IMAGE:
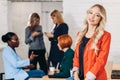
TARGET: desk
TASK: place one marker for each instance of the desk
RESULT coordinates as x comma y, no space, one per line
116,67
46,78
108,69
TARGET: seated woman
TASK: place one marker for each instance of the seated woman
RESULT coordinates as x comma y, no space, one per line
64,44
13,64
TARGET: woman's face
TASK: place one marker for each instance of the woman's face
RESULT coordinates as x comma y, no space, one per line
36,22
93,16
14,41
59,46
54,19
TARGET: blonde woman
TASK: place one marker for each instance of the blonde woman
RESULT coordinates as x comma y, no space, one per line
92,47
34,37
60,28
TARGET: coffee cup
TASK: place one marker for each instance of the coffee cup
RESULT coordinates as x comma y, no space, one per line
71,73
52,69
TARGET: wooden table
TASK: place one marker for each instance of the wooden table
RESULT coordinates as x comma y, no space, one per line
108,69
46,78
116,67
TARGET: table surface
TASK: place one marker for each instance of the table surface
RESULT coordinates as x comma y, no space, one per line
46,78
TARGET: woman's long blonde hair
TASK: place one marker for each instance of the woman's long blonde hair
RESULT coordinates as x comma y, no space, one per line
57,14
32,18
98,31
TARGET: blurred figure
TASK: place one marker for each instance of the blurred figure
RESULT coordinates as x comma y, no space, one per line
12,62
92,47
60,28
64,44
34,37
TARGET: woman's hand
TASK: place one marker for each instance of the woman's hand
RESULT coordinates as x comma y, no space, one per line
28,67
31,66
76,76
34,34
49,35
57,70
51,73
86,79
32,56
25,67
90,76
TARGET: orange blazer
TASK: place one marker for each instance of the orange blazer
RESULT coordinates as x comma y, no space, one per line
95,61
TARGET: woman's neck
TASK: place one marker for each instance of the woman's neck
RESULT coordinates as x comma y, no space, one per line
57,24
11,47
65,49
91,28
90,32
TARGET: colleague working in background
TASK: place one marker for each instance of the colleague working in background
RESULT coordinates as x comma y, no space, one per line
34,37
13,64
64,44
60,28
92,47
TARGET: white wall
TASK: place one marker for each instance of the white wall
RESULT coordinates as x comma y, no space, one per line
3,18
74,12
3,25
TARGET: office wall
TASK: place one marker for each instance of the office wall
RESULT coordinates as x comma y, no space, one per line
3,25
3,17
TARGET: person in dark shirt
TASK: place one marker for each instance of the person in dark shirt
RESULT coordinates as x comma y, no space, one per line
60,28
64,43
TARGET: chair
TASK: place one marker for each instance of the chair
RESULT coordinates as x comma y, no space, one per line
1,76
116,71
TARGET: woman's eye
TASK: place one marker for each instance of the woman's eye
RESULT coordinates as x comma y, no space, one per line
90,12
97,15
